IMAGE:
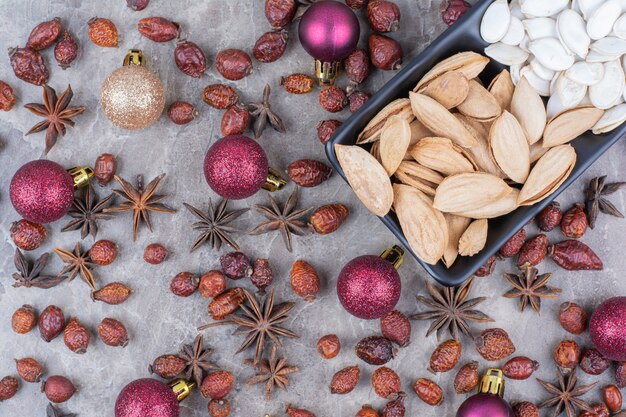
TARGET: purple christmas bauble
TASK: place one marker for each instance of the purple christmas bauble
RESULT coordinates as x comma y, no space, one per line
329,31
368,287
484,405
147,397
236,167
607,328
42,191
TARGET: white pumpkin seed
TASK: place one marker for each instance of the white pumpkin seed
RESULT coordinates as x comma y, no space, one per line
506,54
585,73
570,92
601,21
604,94
509,147
587,7
516,9
610,45
528,108
572,32
619,28
570,124
551,54
516,75
540,85
394,142
540,27
541,71
612,118
550,171
597,57
496,21
474,239
515,34
543,8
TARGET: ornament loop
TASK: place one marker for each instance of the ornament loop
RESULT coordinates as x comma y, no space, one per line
134,57
181,388
493,382
394,255
326,72
81,176
274,181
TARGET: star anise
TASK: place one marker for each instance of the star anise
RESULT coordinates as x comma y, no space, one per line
57,113
140,201
565,395
259,323
451,309
197,358
595,201
263,113
52,411
530,288
287,220
214,225
86,210
29,273
274,372
77,263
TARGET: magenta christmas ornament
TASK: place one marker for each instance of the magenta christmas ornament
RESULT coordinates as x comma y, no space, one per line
148,397
607,328
488,402
369,286
236,167
42,191
329,31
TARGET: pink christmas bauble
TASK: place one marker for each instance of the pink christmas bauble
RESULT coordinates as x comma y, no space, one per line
236,167
147,397
607,328
368,287
42,191
484,405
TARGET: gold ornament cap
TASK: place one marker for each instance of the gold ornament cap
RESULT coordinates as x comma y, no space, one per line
394,255
134,57
274,181
492,382
81,176
326,72
181,388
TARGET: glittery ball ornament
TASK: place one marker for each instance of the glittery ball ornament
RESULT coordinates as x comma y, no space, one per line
369,286
488,402
42,191
607,328
148,397
132,96
236,167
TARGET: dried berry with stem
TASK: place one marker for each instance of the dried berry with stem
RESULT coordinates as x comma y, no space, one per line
596,202
220,96
574,222
565,395
158,29
103,32
7,97
214,225
28,65
233,64
217,385
357,67
329,346
113,294
29,273
236,265
333,99
345,380
519,368
212,284
105,168
573,255
66,50
197,360
167,366
29,369
297,83
386,383
87,209
271,46
326,129
385,52
263,114
44,34
533,251
305,281
573,318
24,319
76,336
262,274
396,327
466,379
453,10
9,385
445,356
273,372
77,263
58,389
308,172
375,350
182,112
329,218
357,99
57,114
592,362
155,253
235,120
51,323
550,217
612,397
530,288
383,16
428,391
112,332
189,58
494,344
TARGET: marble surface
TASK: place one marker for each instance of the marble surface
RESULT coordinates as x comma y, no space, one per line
158,321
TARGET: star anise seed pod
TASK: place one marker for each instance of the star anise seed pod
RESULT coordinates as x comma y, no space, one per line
565,395
451,310
140,201
263,113
86,210
287,220
274,372
595,201
29,273
197,358
77,263
530,288
52,411
57,113
214,225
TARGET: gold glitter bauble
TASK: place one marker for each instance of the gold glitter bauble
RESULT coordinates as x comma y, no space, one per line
132,97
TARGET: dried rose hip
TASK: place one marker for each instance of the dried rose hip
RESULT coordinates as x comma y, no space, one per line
593,362
367,411
467,378
236,265
220,96
29,369
219,408
574,255
566,354
226,303
487,268
66,50
445,356
357,99
262,274
189,58
357,66
212,284
158,29
519,368
574,223
533,251
612,398
329,218
27,235
105,168
44,34
573,318
453,10
168,366
329,346
428,391
270,46
396,327
76,336
51,323
385,53
233,64
386,383
514,244
383,16
550,217
326,129
345,380
280,12
181,112
375,350
494,344
114,293
597,410
395,408
8,387
112,332
7,98
155,253
28,65
525,408
308,172
137,5
103,32
333,99
58,388
24,319
298,412
356,4
184,284
217,385
297,83
620,374
235,120
304,280
103,252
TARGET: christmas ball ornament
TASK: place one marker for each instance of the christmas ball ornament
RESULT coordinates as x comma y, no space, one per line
488,402
148,397
607,328
132,96
236,167
369,286
42,191
329,31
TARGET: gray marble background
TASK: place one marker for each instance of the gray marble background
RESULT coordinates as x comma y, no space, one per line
158,321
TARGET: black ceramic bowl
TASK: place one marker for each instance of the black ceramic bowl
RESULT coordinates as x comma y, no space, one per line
462,36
